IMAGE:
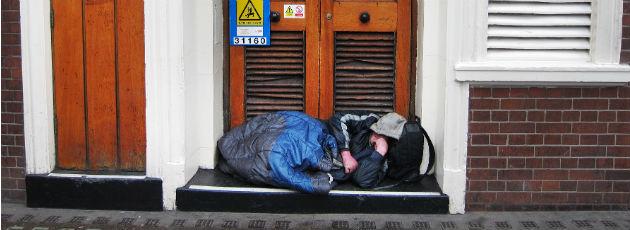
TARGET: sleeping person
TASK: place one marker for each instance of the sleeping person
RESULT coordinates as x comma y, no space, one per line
290,149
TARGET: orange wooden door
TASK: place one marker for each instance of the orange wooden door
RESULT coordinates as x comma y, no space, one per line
98,61
349,63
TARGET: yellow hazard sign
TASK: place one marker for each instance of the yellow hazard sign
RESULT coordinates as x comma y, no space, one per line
249,12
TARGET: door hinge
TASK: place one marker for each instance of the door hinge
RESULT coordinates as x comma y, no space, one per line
52,18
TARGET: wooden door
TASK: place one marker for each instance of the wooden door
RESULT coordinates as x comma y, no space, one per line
347,63
98,62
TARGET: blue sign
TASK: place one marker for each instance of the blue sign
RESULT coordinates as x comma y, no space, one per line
249,23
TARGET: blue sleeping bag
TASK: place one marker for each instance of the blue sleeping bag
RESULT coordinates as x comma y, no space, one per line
284,149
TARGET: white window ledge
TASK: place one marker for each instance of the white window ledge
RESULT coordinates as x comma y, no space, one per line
547,73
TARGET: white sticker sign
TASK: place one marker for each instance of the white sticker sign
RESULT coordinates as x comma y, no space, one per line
294,11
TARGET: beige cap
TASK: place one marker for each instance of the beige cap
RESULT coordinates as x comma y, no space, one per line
390,125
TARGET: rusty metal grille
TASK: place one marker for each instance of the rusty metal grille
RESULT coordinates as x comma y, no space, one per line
275,75
365,67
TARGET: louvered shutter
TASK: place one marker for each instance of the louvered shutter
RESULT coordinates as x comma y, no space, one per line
364,71
539,29
274,75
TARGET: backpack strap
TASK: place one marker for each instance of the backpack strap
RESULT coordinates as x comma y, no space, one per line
431,148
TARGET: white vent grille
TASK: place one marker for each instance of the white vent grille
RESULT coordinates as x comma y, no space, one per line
539,29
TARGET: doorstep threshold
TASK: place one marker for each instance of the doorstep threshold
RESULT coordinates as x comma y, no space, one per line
332,192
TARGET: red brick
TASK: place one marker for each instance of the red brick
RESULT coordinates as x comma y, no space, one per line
533,162
607,116
590,92
585,186
568,185
500,115
534,139
514,186
475,185
537,92
11,39
518,115
549,198
546,151
569,139
517,127
587,116
603,186
482,151
482,197
496,185
624,92
551,185
570,115
9,183
516,163
480,92
535,115
618,198
568,163
590,104
585,198
551,163
482,174
623,116
622,163
479,139
498,139
589,128
564,92
553,128
588,151
478,163
617,174
515,174
483,128
497,163
519,92
604,162
532,185
513,197
586,175
550,174
586,163
618,151
484,103
553,139
480,116
500,92
553,116
522,151
621,186
553,104
622,139
516,139
588,140
620,104
518,103
609,92
9,162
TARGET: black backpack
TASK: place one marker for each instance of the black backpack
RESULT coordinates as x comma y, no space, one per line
405,156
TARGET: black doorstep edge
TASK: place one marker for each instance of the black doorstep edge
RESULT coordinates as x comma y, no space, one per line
94,193
265,202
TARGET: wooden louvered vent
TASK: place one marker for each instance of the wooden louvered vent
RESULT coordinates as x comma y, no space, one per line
365,71
539,29
274,75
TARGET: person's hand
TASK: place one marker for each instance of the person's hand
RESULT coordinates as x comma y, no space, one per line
380,144
349,163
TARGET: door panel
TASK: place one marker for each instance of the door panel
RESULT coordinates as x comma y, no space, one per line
99,91
283,76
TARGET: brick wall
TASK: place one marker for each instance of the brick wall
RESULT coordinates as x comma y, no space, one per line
12,115
625,45
549,149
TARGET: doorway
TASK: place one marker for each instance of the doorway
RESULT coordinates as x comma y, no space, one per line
343,55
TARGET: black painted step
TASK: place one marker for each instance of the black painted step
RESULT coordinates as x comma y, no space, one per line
211,190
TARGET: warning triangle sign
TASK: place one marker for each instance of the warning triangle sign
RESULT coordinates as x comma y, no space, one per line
249,13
